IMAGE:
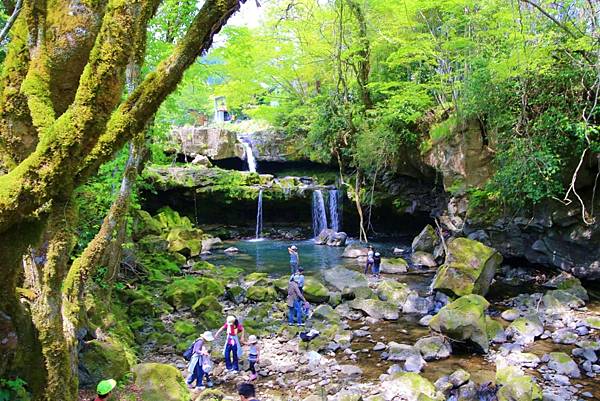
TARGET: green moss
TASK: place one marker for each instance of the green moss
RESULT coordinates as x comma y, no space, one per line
211,395
158,382
210,320
314,291
261,294
255,276
186,291
184,328
208,303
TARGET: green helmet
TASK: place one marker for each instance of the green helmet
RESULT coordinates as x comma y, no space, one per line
106,386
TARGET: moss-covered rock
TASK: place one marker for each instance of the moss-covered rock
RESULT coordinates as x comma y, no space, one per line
469,268
186,291
168,218
281,285
255,276
211,395
426,241
208,303
102,359
464,319
314,291
525,329
393,292
210,320
514,385
186,241
236,294
184,328
326,312
375,308
152,244
261,294
144,224
342,278
394,265
159,382
561,301
408,386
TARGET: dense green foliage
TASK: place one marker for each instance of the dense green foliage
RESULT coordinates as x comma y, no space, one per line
365,83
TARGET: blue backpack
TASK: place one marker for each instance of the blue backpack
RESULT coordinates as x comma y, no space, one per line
187,354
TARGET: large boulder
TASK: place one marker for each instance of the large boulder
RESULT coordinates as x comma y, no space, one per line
342,278
186,241
144,224
408,386
469,268
261,294
184,292
159,382
101,359
394,265
424,259
562,364
560,301
393,292
426,241
355,251
331,238
375,308
314,291
525,329
464,319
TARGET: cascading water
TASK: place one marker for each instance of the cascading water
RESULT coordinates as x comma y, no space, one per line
319,213
334,210
259,215
247,145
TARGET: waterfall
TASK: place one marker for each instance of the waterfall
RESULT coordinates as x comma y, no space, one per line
247,145
334,210
319,213
259,215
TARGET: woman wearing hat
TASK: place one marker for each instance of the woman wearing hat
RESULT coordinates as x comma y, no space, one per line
233,349
104,389
294,258
253,355
200,359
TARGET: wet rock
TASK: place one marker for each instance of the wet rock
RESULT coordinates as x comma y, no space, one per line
208,244
414,363
325,312
394,265
525,329
407,386
434,347
375,308
379,346
343,339
443,384
585,353
416,304
159,382
510,314
495,331
560,301
562,364
423,259
350,371
464,319
426,241
564,336
342,278
459,377
593,322
514,385
232,250
469,268
424,321
400,352
393,292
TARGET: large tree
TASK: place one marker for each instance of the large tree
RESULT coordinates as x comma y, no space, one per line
61,117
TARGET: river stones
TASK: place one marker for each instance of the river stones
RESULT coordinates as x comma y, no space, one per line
159,382
562,364
567,282
433,348
564,336
426,241
417,304
459,377
355,251
399,352
469,268
414,363
525,329
376,308
394,265
393,292
351,371
464,319
261,294
510,314
342,278
556,302
408,386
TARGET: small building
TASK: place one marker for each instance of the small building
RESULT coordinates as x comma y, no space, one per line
221,113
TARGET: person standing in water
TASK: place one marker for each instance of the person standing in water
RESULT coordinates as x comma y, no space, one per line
233,348
370,260
294,258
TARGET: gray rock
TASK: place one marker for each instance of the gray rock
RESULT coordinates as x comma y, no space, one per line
414,363
355,251
375,308
434,347
426,241
564,336
525,329
424,321
562,364
459,377
510,314
585,353
423,259
416,304
379,346
342,278
350,370
400,352
443,384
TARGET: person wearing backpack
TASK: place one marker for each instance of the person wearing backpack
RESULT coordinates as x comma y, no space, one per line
200,364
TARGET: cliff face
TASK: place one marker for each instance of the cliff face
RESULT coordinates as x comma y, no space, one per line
552,234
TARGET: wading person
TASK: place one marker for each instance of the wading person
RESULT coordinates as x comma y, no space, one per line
295,302
233,349
104,389
294,258
200,364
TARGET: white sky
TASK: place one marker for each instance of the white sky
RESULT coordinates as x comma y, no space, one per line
250,14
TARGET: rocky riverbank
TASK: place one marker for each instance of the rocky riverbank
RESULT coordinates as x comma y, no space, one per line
409,335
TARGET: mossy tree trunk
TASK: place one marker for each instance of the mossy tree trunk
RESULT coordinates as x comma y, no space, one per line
59,121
